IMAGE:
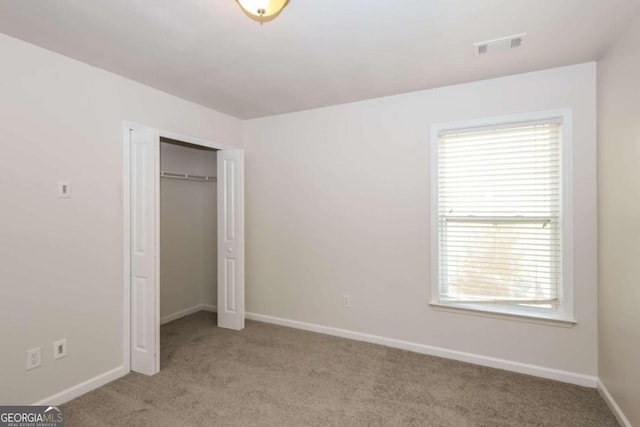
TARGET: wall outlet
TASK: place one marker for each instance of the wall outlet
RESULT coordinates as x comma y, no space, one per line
346,301
64,190
60,349
34,358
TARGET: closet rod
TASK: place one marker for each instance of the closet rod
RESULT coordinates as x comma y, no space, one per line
186,176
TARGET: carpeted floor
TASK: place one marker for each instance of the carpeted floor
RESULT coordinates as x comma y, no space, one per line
269,375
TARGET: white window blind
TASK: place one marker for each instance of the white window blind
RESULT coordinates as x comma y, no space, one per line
498,207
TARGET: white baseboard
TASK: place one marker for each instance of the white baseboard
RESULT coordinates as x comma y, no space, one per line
208,307
522,368
622,419
178,314
84,387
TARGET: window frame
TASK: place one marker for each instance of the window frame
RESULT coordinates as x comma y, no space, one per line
563,314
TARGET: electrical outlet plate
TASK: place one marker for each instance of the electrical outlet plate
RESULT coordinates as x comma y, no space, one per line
64,190
34,358
60,349
346,301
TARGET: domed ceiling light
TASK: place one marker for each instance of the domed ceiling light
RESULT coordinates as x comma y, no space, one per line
262,10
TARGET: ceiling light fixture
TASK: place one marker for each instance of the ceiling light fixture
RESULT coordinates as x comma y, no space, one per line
262,10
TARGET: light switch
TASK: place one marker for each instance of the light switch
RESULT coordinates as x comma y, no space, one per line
64,190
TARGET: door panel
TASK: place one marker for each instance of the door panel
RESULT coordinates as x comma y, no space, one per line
144,279
231,239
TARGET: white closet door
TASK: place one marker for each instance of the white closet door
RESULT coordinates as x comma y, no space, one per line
145,357
231,239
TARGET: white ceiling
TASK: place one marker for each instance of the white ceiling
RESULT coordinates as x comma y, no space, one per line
316,53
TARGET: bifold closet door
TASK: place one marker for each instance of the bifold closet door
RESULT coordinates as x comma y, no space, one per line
230,239
144,177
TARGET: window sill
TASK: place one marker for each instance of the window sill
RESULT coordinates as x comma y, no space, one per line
541,319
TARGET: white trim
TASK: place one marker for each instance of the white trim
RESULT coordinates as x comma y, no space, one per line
126,207
564,313
209,307
84,387
622,419
156,233
192,140
565,309
474,310
182,313
492,362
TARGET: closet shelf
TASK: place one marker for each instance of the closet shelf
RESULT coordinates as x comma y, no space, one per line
186,176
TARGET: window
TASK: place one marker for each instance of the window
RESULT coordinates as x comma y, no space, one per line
501,216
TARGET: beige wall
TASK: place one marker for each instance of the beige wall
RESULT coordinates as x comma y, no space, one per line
337,202
188,231
61,267
619,220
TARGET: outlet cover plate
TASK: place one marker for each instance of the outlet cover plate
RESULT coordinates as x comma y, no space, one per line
64,190
34,358
60,349
346,301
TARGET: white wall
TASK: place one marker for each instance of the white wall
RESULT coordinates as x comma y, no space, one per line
61,268
337,202
619,220
188,231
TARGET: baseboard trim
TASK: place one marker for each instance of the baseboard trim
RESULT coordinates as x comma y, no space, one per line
178,314
84,387
208,307
522,368
622,419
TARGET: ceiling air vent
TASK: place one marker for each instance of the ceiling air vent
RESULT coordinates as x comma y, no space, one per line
499,45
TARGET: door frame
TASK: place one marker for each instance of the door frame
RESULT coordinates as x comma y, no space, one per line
126,201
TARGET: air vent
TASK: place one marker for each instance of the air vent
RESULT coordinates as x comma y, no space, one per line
499,45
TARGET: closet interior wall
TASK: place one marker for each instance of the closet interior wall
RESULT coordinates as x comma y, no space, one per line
188,231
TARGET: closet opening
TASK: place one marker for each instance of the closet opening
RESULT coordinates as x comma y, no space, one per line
184,237
188,229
